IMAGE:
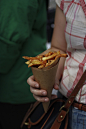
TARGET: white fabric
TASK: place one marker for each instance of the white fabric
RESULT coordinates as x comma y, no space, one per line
75,33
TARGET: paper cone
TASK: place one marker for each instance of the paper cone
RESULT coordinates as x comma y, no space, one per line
46,79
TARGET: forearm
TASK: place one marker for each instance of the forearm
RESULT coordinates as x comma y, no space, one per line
58,42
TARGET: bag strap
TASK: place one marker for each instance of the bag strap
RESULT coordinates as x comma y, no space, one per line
30,110
65,108
75,91
33,106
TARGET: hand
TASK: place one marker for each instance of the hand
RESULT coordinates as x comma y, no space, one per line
39,94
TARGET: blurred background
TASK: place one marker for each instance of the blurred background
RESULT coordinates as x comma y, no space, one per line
51,6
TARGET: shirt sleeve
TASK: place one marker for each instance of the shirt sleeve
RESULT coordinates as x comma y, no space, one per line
60,3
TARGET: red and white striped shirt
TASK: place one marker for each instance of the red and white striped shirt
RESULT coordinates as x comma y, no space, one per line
75,33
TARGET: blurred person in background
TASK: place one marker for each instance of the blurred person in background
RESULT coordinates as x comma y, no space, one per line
22,33
69,37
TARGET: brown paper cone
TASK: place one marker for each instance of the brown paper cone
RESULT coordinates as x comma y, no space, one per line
46,79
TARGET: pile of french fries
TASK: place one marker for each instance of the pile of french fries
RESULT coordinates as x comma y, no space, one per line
42,61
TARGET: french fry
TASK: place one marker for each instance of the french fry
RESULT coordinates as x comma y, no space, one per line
39,57
52,61
30,65
41,66
45,60
49,57
29,58
28,62
48,54
36,62
64,55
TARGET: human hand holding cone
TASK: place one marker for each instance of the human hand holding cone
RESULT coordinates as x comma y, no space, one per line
44,69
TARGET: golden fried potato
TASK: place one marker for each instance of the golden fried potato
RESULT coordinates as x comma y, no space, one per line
36,62
49,57
41,66
45,60
28,62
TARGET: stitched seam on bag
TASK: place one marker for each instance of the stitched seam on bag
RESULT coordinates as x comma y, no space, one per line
59,100
30,110
47,119
37,121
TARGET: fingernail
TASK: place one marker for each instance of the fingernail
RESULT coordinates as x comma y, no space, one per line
46,100
44,93
36,85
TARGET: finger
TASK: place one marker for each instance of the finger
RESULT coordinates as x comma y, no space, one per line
53,96
41,99
56,86
38,92
31,81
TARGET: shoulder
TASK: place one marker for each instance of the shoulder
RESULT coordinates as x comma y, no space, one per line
60,3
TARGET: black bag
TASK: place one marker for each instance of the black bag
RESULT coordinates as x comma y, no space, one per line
57,114
36,118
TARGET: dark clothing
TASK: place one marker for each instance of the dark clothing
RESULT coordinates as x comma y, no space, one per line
11,115
22,33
